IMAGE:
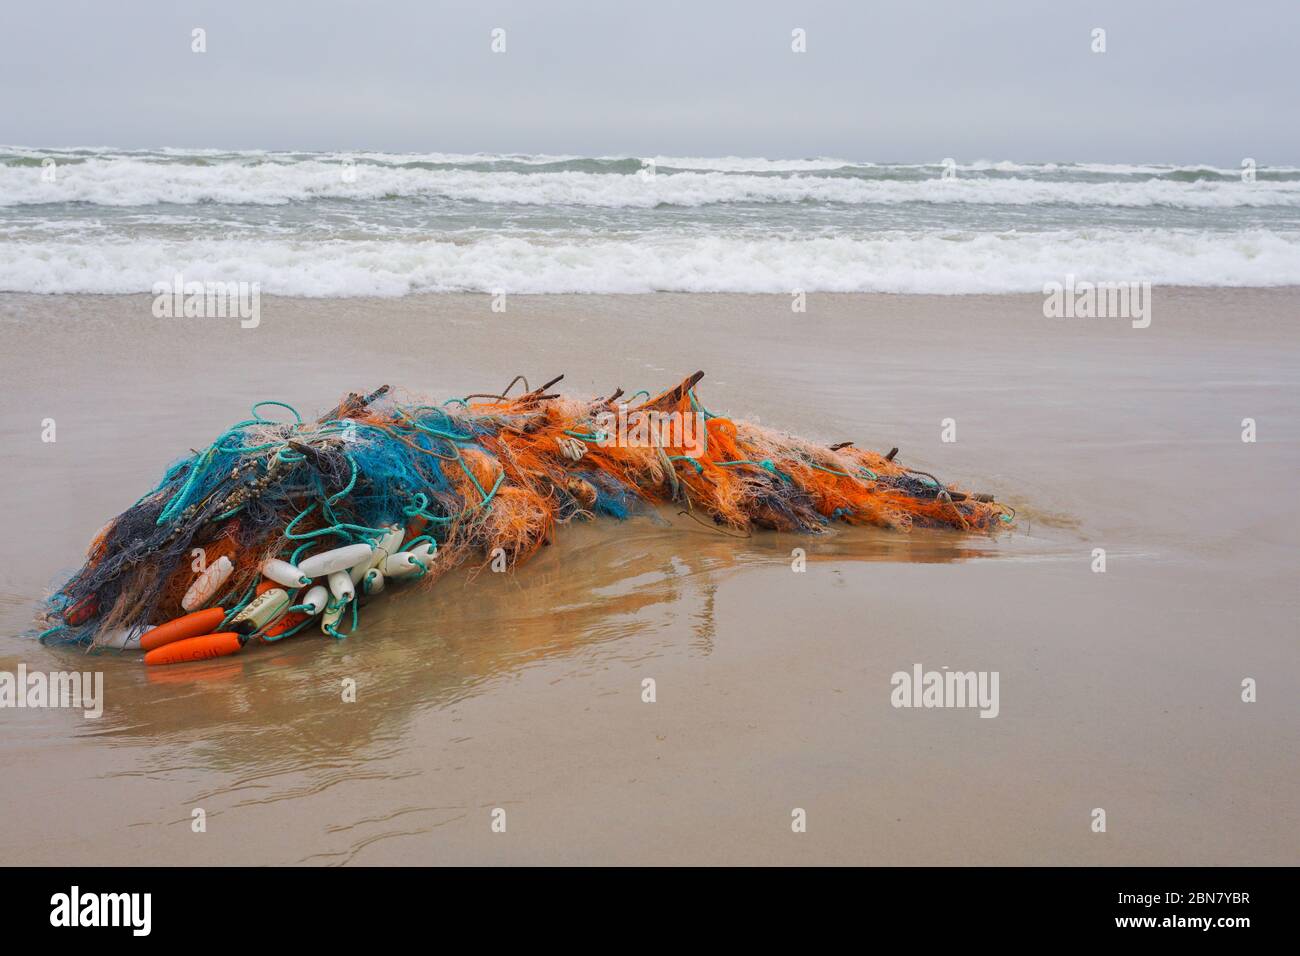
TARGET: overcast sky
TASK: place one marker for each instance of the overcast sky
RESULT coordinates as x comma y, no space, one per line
902,80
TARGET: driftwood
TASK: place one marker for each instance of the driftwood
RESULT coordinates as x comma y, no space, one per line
675,394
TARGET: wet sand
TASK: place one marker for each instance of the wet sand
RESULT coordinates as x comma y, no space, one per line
523,692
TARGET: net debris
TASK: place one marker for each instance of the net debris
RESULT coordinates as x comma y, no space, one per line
279,526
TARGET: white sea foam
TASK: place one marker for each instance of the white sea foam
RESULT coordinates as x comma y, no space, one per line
715,163
135,182
382,223
740,164
945,264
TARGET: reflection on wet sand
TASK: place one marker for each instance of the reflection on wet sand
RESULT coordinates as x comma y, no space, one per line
429,648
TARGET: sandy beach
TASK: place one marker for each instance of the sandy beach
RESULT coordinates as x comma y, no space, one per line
523,692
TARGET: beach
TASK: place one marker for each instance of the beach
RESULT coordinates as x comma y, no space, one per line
523,692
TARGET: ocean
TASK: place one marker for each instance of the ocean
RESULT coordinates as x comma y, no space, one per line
99,220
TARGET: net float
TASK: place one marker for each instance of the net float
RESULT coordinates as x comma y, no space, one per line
339,559
82,611
284,573
333,614
316,599
122,638
388,544
197,648
206,585
404,564
340,584
180,628
285,624
400,565
261,611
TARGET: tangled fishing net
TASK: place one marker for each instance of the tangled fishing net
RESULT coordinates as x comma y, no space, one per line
485,477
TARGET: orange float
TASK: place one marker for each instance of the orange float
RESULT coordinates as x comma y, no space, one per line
197,648
190,625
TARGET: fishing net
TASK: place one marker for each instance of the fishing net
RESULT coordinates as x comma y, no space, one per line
485,478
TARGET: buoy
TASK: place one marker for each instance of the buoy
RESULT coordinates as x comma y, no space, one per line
123,638
196,648
373,582
178,629
341,586
390,543
387,544
282,572
400,565
317,597
206,584
358,570
263,586
403,563
286,623
333,614
340,559
82,611
262,610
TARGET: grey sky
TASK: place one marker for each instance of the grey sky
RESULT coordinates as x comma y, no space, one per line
905,80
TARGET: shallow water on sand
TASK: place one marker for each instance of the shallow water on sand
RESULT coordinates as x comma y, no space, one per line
523,691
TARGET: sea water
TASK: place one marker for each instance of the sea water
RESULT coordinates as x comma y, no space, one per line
352,224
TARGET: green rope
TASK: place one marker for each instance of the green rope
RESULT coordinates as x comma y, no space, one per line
247,599
487,497
487,500
334,633
181,498
436,432
595,437
343,529
288,529
352,483
419,510
293,411
695,404
289,633
829,471
202,462
766,464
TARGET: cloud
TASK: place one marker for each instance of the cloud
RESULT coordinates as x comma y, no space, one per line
1180,82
